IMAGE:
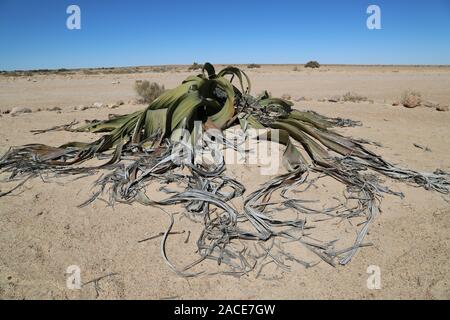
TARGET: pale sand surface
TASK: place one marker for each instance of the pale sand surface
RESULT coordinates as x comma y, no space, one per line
42,231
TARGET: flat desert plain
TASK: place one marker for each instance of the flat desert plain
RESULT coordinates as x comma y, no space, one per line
43,232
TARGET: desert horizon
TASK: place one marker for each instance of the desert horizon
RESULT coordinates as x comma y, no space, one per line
184,65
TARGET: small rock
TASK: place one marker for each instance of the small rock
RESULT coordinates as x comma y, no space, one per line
134,102
81,108
286,96
20,110
98,105
411,99
54,109
430,104
442,108
115,82
395,103
117,104
334,99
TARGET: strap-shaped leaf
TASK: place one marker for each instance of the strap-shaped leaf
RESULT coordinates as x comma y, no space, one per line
317,153
312,118
155,121
177,113
333,141
239,74
292,158
209,68
109,125
226,113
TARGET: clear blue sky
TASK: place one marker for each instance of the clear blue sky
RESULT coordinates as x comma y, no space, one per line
33,33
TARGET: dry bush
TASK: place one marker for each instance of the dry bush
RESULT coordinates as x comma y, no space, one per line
312,64
88,71
411,99
161,69
353,97
195,66
253,66
148,91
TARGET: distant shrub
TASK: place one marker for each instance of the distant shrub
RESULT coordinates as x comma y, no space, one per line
161,69
353,97
411,99
295,69
312,64
253,66
88,71
195,66
42,71
148,91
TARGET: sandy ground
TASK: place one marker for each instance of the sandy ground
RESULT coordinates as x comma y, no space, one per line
42,231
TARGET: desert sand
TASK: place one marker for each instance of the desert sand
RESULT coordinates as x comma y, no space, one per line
42,231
